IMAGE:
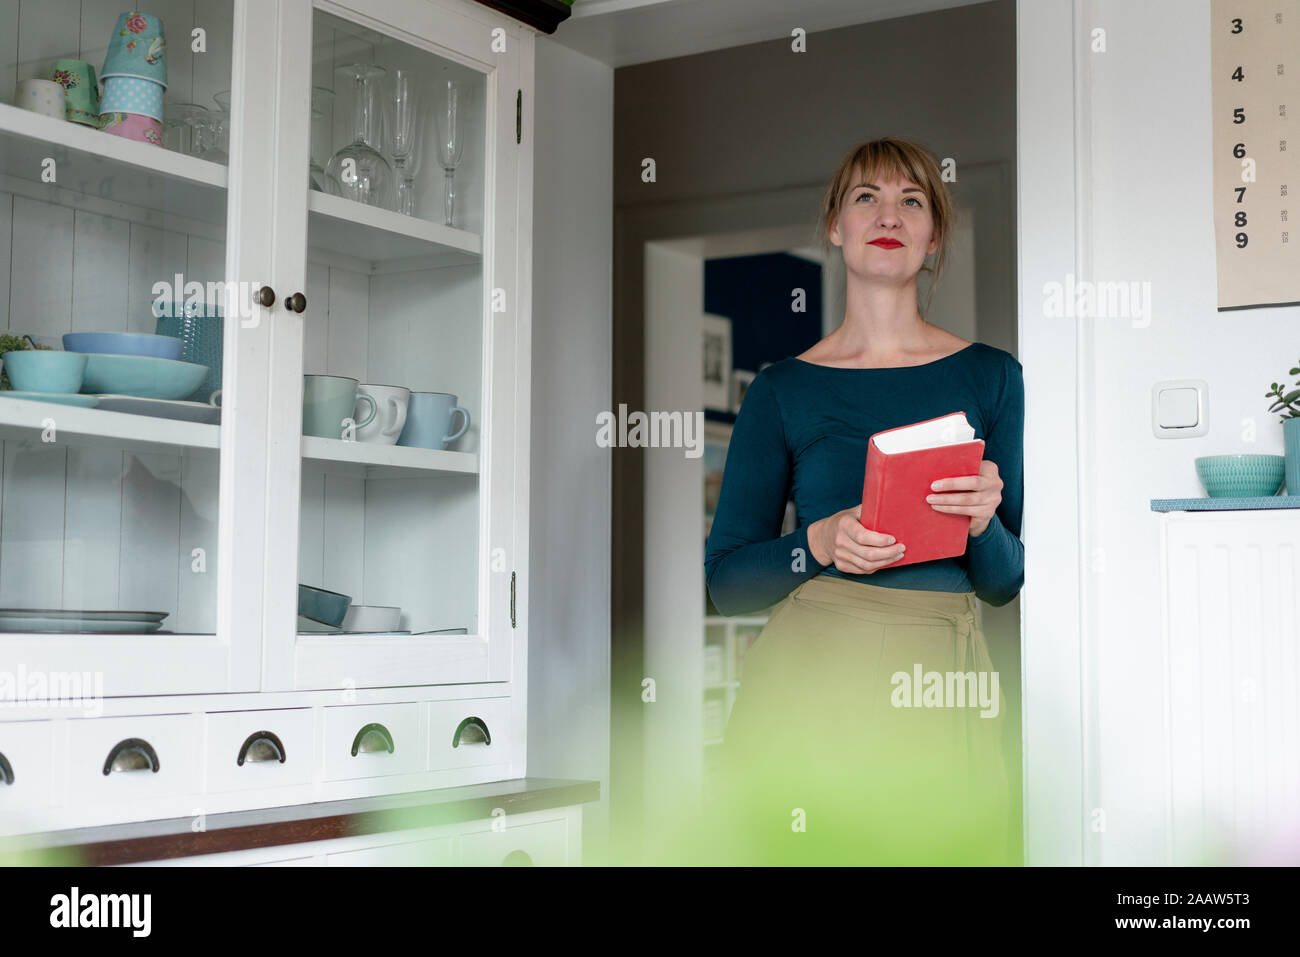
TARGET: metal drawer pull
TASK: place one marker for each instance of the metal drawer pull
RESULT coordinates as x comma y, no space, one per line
472,730
133,754
6,771
373,737
261,746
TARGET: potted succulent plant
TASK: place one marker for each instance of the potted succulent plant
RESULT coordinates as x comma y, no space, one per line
1286,405
10,343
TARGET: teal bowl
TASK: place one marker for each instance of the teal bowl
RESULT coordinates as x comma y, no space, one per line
1241,476
45,370
145,377
327,607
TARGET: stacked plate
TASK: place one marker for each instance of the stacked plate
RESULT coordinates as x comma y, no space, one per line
310,626
80,620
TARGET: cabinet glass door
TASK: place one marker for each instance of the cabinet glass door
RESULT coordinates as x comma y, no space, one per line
117,536
399,369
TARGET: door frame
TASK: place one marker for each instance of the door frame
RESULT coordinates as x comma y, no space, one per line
1059,711
634,622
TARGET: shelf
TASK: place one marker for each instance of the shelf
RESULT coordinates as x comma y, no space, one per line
108,167
381,235
24,420
1223,504
385,461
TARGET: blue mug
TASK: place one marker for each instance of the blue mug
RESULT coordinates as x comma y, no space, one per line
428,421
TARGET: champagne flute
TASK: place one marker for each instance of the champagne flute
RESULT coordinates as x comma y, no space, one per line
451,142
402,125
322,110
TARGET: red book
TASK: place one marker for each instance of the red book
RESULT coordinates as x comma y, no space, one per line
901,465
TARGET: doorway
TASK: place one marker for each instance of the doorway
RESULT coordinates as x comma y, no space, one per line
664,762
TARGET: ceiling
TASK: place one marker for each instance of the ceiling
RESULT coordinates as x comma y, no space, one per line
624,32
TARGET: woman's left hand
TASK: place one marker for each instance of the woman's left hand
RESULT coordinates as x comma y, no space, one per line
980,502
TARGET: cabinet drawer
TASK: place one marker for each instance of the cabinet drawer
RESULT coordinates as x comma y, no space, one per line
25,746
370,730
159,758
431,853
468,749
541,845
278,748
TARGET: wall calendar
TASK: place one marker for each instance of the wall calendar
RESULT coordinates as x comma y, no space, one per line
1255,59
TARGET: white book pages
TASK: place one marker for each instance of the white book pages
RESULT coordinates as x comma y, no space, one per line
948,430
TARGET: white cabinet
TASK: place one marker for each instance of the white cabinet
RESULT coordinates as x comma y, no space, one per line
1229,647
407,301
166,542
544,838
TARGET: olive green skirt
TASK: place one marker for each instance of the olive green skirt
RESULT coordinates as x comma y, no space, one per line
867,729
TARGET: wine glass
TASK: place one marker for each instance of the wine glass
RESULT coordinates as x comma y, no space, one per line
218,130
188,120
359,171
402,126
451,142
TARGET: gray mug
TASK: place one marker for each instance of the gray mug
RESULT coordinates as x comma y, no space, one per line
328,401
428,421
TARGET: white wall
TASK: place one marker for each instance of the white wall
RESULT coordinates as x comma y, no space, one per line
568,668
1145,208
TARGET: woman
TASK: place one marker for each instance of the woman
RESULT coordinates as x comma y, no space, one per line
830,754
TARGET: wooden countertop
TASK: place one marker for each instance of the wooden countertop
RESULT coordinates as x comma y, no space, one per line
298,823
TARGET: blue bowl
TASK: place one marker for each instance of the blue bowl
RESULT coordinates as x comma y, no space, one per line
324,606
124,344
145,377
45,370
1241,476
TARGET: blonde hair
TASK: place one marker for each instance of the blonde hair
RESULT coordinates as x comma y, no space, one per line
894,158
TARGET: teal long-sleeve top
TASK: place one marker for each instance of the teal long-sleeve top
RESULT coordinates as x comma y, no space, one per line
802,435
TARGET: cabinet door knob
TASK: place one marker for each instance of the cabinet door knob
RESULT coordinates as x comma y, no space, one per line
297,302
265,296
133,754
261,746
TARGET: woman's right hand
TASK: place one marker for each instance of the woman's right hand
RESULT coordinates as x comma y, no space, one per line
840,539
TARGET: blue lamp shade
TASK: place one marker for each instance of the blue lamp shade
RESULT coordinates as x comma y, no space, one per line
137,48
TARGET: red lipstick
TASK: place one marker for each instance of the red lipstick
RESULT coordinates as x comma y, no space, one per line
884,243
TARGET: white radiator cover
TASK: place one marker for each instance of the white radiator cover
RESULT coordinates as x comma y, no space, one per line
1232,685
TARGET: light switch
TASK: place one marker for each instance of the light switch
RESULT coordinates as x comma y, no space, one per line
1179,408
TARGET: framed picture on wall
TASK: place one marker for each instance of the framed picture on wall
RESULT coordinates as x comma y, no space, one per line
717,362
717,436
740,380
